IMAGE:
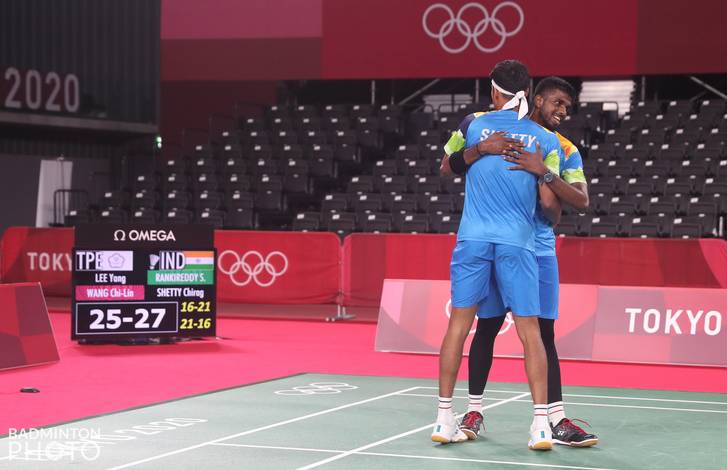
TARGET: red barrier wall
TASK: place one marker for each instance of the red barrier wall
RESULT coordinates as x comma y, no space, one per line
26,335
601,323
599,261
38,255
318,269
277,267
368,259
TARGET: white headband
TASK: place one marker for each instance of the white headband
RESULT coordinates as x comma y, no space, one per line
518,99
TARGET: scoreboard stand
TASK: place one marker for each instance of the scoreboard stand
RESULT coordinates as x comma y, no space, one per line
143,284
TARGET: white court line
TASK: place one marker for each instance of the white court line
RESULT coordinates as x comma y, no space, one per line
302,449
397,436
671,400
252,431
605,405
500,462
405,456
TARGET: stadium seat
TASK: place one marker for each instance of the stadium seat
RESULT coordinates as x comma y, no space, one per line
436,203
175,200
145,183
235,165
444,223
335,202
424,184
269,200
178,216
240,218
341,223
210,200
391,185
401,203
411,223
144,199
77,217
116,198
307,221
375,222
144,216
113,215
383,168
361,110
369,202
205,182
213,217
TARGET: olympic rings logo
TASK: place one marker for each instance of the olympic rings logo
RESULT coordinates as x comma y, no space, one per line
468,32
507,324
318,388
252,265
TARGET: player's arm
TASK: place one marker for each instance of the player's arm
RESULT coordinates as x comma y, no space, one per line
457,159
549,201
453,161
576,191
573,192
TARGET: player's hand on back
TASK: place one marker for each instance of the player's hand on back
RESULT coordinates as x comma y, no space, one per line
532,162
498,144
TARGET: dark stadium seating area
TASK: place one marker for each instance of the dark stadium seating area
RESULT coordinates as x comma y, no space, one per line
659,171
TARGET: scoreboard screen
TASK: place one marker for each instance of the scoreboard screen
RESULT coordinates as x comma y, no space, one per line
143,281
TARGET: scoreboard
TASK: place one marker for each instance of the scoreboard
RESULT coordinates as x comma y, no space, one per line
143,281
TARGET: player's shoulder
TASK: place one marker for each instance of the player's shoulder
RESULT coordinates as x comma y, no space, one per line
569,148
545,135
472,116
469,119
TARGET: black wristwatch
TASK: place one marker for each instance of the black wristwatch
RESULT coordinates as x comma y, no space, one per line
546,178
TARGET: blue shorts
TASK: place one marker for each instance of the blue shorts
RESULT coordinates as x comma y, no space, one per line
548,287
478,266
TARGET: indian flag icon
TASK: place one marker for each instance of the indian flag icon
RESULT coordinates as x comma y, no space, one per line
199,259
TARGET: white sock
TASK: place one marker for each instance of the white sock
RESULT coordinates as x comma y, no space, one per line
445,407
556,412
475,403
540,420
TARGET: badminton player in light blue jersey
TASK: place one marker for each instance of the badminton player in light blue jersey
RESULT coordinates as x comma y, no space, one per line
496,238
553,98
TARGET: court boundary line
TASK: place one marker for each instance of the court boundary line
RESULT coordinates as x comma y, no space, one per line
262,428
409,456
611,397
396,436
163,402
603,405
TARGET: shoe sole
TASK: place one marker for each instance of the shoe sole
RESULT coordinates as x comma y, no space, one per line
471,435
542,445
445,440
586,443
441,439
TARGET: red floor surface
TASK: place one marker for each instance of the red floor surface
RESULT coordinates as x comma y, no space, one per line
90,380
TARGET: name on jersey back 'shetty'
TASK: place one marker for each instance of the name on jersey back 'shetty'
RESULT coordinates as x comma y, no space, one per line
526,139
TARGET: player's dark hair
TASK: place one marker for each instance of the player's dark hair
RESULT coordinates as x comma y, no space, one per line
512,75
555,83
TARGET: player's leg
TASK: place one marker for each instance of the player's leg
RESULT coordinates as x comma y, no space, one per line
565,432
490,316
470,272
517,277
479,364
555,393
450,357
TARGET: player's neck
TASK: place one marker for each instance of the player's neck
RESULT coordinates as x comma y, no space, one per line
537,119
